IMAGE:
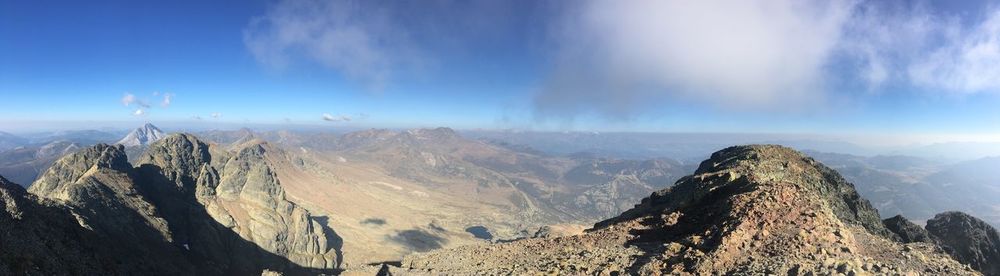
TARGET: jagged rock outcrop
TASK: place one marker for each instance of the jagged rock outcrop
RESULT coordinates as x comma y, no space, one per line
99,184
84,203
908,231
239,192
187,209
99,187
968,239
748,210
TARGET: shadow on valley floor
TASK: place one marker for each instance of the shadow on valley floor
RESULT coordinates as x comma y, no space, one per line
419,240
213,248
480,232
373,221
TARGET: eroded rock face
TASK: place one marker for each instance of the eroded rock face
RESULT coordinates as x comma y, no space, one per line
968,239
748,210
92,194
187,209
240,193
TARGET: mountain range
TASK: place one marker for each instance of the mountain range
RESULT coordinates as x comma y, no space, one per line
748,210
242,202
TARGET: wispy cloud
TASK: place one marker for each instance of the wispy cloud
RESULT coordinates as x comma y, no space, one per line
618,59
129,99
216,115
362,41
967,62
167,99
339,118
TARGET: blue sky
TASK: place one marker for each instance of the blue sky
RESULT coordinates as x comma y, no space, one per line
856,67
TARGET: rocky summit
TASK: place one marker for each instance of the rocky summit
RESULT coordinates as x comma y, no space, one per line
748,210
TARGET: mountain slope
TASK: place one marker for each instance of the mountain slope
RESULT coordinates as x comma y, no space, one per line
189,208
9,141
918,188
747,210
240,192
25,164
97,186
40,237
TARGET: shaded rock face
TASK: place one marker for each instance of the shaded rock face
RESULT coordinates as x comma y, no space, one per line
239,192
187,209
748,210
908,231
56,244
98,185
968,239
64,226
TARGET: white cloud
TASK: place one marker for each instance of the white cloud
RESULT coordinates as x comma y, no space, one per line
130,99
139,112
167,98
885,38
910,45
968,62
620,59
339,118
613,56
361,41
216,115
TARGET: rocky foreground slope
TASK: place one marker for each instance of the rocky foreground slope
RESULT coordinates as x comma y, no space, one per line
188,208
748,210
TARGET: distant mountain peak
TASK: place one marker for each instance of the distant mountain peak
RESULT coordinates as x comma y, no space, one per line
142,136
432,134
